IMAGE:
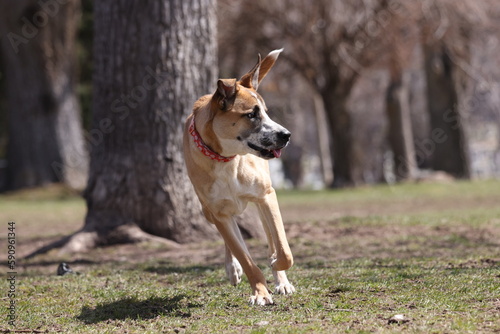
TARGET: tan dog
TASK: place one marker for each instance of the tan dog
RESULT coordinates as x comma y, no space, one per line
227,141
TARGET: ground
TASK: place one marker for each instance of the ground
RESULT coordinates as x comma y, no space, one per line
430,252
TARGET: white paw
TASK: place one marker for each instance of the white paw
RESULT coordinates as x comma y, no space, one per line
284,288
261,300
234,272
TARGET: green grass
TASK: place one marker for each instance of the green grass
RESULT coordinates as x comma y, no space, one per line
430,252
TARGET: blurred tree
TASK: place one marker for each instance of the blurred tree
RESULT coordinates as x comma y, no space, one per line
328,43
446,31
400,133
401,34
45,140
3,119
84,47
448,148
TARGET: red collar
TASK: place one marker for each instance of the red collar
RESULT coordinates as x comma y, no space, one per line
207,151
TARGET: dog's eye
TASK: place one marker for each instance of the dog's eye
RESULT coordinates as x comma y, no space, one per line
254,113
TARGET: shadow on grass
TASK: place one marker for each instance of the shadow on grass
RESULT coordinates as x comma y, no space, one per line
132,308
165,270
47,263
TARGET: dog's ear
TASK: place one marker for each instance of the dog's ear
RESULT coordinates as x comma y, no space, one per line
268,63
227,89
253,78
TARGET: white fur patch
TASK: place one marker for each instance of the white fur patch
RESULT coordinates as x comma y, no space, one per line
234,271
265,117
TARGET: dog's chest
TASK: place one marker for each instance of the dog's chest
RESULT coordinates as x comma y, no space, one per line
231,191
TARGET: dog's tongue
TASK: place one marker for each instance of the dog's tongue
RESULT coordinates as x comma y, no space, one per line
277,153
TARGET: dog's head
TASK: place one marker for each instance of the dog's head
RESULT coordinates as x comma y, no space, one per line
239,115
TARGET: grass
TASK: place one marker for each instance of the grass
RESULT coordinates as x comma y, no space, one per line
430,252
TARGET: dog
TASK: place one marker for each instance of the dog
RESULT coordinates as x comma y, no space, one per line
228,140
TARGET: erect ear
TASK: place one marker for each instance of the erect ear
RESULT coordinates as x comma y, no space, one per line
253,78
227,89
268,63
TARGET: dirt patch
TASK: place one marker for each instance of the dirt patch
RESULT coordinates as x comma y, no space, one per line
475,264
327,231
321,242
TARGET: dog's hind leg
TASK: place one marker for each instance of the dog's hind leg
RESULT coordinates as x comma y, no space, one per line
233,268
234,243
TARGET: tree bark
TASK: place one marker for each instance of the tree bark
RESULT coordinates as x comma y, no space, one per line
339,121
447,144
152,60
323,140
400,133
45,139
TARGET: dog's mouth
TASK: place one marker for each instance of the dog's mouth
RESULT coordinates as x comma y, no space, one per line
265,153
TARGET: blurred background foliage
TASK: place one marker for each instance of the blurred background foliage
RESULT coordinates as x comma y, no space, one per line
360,85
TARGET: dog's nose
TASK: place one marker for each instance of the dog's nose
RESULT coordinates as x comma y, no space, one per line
284,136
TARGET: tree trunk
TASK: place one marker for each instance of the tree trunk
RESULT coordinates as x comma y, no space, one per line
325,153
152,60
447,144
400,131
339,121
45,140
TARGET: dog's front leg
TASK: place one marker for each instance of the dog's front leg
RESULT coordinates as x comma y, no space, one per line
282,285
233,268
230,232
271,216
